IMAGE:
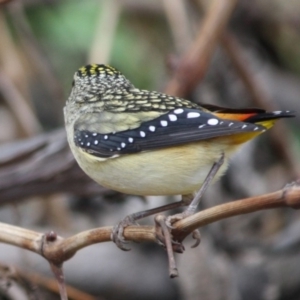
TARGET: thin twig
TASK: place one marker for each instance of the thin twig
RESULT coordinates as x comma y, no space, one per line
27,122
36,55
57,270
108,21
50,284
177,16
160,221
193,65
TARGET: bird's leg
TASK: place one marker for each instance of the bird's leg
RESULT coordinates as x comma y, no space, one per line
209,178
117,234
195,202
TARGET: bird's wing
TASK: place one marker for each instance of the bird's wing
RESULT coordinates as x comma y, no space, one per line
111,136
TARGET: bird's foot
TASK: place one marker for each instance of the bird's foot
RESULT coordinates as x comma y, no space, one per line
164,236
117,235
173,219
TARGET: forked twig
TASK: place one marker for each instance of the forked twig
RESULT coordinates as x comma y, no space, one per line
58,249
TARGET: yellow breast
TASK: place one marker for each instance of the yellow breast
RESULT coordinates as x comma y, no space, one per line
170,171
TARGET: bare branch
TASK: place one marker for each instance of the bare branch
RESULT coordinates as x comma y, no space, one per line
179,24
287,197
194,63
57,249
27,122
41,166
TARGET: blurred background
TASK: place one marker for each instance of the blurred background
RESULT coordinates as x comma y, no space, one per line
256,63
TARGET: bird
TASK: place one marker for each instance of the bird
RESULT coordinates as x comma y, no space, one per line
144,142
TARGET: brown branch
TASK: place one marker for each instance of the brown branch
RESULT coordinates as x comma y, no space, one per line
42,166
4,1
51,285
194,63
105,31
179,23
280,134
39,61
23,114
57,249
238,60
287,197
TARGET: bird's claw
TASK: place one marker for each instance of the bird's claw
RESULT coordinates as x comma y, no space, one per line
117,234
173,219
197,237
162,235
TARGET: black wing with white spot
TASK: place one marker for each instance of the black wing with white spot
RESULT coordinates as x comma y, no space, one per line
177,127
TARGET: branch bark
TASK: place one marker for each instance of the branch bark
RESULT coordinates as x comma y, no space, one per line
57,249
41,166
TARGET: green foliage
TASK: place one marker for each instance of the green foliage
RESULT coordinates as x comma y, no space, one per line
66,31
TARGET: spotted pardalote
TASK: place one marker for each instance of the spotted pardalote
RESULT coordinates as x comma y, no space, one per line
148,143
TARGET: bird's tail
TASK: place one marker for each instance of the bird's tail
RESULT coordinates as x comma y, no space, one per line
249,115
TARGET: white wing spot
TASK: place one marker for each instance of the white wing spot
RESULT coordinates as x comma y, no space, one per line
277,112
256,128
130,140
193,114
201,126
118,148
142,134
163,123
86,135
221,122
105,137
152,128
123,145
230,124
96,142
81,143
94,134
212,121
88,144
178,111
172,118
244,126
